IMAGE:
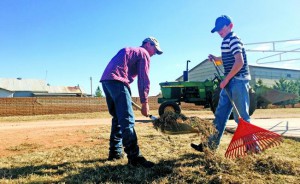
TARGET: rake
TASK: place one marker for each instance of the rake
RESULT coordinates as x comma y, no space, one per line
248,138
171,126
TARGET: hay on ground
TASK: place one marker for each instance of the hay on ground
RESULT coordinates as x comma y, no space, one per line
173,123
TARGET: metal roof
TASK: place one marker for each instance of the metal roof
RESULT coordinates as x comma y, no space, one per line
64,89
250,66
18,84
36,86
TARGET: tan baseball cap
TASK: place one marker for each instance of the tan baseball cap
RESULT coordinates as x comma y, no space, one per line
154,42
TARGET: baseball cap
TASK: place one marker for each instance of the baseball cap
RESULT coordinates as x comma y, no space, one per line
154,42
221,21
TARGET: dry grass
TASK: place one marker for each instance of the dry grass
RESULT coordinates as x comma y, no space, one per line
176,162
174,123
24,146
55,117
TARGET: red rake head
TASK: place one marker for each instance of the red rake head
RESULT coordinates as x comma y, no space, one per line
249,138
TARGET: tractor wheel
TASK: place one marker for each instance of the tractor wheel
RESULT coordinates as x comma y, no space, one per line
253,101
215,99
169,106
216,96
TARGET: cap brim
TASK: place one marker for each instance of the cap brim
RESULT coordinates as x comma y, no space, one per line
213,30
158,50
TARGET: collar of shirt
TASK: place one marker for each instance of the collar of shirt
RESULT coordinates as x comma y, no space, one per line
229,35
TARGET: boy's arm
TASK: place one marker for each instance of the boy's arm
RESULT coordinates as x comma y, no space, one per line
238,64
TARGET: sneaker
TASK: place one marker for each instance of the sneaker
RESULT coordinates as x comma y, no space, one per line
255,150
199,147
140,161
117,156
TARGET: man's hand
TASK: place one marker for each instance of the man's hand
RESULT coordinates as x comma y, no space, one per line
145,109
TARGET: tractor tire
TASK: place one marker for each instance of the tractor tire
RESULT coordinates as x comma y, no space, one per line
215,100
169,106
216,96
253,101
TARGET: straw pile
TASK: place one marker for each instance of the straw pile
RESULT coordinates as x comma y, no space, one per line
173,123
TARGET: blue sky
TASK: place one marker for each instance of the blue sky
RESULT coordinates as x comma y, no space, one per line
65,42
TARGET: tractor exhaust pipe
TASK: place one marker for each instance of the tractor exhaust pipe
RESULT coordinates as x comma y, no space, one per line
186,73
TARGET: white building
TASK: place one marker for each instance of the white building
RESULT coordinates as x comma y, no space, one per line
206,70
18,87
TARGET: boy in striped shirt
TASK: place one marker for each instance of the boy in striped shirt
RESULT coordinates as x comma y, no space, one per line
236,80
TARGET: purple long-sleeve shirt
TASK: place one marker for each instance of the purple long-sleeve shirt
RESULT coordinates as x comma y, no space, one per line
126,65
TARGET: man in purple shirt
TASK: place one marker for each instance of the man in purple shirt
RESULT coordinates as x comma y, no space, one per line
129,63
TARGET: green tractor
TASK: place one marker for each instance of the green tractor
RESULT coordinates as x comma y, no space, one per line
200,93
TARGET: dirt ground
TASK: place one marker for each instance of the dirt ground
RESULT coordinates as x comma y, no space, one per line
22,137
42,135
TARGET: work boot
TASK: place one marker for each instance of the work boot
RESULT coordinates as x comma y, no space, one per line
115,156
199,147
140,161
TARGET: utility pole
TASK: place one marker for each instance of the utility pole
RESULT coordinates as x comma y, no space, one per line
91,86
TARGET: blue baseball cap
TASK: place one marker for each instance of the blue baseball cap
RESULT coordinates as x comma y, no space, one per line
221,21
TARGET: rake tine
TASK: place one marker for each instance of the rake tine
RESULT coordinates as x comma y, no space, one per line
265,143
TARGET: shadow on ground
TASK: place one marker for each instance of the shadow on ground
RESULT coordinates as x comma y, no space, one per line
99,171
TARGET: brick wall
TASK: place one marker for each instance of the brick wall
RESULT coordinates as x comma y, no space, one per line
50,105
63,105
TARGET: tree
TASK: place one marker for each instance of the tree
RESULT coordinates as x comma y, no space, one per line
259,84
295,88
289,87
281,85
98,92
260,101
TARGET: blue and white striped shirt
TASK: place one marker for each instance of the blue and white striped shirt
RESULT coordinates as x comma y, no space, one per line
231,45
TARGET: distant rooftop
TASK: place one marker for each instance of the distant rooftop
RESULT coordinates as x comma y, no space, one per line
36,86
19,84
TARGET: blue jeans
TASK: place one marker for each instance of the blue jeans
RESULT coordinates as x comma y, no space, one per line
239,92
118,99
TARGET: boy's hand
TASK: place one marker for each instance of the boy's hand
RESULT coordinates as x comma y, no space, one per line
211,57
224,83
145,109
217,60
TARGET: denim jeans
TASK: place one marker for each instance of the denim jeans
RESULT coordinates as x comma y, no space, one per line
118,99
239,92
